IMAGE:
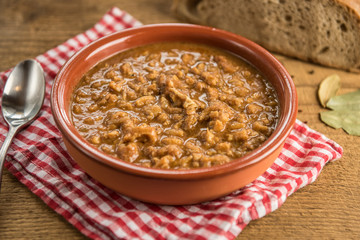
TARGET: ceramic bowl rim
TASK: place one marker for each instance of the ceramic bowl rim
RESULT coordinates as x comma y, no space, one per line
275,141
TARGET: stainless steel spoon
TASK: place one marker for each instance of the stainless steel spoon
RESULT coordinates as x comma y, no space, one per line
22,99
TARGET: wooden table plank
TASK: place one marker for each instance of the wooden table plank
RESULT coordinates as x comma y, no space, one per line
327,209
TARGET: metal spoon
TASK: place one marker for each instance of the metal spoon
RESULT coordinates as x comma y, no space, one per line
22,99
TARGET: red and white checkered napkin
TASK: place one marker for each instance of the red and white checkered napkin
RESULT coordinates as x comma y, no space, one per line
39,160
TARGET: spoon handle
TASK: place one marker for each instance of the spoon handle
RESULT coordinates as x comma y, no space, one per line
5,146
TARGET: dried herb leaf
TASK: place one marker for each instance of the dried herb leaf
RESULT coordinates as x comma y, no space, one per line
349,101
328,88
348,120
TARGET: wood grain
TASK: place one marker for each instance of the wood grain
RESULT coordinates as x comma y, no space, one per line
327,209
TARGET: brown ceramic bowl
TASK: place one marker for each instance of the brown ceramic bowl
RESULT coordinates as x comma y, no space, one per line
172,186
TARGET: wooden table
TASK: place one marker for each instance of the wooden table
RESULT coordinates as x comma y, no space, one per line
327,209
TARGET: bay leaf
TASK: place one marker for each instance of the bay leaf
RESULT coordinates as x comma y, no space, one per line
348,101
346,119
328,88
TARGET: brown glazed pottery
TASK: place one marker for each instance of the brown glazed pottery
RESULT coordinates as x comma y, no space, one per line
172,187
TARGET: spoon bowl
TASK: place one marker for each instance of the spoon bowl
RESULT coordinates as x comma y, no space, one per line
22,99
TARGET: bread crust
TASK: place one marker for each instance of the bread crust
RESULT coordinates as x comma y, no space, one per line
329,42
354,5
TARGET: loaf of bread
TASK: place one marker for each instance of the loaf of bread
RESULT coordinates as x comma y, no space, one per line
326,32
